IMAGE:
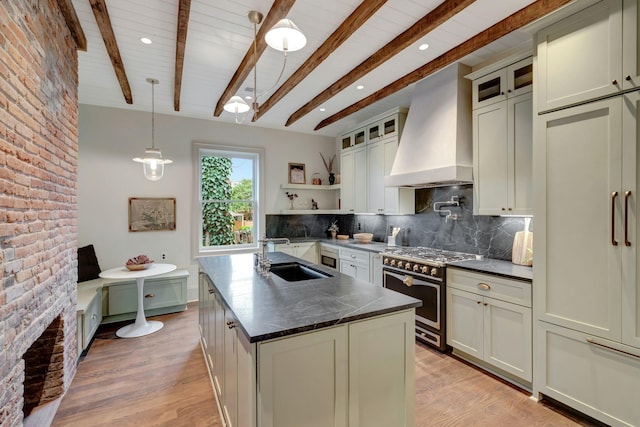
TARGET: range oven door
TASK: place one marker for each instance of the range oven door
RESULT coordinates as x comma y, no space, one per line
430,316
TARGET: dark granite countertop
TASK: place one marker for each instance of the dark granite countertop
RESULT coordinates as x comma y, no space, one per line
271,308
497,268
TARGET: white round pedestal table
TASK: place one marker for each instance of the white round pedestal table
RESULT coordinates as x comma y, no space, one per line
141,326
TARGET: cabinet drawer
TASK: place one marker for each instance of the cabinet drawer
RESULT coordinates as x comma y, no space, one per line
515,291
599,381
123,298
354,255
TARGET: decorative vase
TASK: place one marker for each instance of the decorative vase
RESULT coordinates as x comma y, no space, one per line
332,178
333,233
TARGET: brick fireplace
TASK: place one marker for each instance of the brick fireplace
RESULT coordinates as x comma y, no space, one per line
38,227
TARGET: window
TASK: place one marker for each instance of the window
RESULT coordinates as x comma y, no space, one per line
228,198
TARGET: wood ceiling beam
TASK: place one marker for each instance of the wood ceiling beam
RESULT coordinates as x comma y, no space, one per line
426,24
71,18
278,11
184,8
104,24
360,15
517,20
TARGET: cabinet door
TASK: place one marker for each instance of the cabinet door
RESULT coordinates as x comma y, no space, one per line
360,179
346,141
210,319
347,183
375,269
579,237
597,377
580,57
286,249
382,358
491,160
307,251
304,380
465,322
507,337
631,45
520,122
489,89
375,168
348,268
218,345
520,77
631,207
230,391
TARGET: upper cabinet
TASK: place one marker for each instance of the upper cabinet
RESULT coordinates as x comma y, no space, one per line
353,138
513,80
590,55
502,139
365,164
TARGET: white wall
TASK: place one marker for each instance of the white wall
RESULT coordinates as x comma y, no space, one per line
109,138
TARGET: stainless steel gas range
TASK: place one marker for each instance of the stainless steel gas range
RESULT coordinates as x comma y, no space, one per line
421,273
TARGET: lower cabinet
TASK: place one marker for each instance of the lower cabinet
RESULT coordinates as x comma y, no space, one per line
304,380
162,295
355,263
304,250
88,320
596,376
489,318
355,374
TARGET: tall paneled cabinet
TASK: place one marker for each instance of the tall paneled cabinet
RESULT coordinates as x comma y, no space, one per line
587,295
367,157
502,137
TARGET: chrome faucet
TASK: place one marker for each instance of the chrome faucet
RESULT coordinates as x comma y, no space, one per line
262,264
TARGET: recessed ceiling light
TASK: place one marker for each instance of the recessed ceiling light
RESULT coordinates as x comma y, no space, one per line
323,109
423,46
359,87
145,40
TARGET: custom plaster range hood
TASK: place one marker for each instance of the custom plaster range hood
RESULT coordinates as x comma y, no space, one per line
436,146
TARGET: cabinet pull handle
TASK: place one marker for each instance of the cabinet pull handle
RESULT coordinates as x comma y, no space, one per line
353,256
614,242
627,194
628,78
478,302
614,82
149,295
231,324
592,341
484,286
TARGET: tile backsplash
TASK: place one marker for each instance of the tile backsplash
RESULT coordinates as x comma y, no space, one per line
485,235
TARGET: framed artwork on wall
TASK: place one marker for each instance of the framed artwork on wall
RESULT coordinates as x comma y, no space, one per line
152,214
297,173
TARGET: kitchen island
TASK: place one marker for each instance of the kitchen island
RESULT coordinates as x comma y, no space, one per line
324,351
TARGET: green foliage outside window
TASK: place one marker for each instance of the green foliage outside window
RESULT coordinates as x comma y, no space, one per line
217,220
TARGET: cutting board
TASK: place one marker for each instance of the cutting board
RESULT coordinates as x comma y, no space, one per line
522,251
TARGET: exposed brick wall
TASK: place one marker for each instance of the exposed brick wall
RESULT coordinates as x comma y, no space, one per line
38,167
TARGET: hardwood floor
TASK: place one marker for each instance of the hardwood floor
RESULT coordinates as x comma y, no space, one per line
161,380
156,380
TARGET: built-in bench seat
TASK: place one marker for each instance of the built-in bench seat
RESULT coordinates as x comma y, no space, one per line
108,300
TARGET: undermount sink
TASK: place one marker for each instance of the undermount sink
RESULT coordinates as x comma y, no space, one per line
295,272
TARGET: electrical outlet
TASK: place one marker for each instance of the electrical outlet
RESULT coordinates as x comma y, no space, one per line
163,256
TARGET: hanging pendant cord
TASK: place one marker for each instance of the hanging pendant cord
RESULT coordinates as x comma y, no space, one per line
153,103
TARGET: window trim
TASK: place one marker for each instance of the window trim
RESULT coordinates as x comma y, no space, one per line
258,214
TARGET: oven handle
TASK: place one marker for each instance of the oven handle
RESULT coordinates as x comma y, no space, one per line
410,279
400,275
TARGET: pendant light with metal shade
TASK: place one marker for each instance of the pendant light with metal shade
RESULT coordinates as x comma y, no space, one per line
152,162
285,36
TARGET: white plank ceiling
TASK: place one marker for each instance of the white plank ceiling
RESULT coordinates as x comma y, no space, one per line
220,34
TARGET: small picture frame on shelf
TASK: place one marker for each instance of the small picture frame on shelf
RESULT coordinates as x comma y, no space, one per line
297,173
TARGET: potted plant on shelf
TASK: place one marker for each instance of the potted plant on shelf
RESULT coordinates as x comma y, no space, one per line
329,167
333,229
